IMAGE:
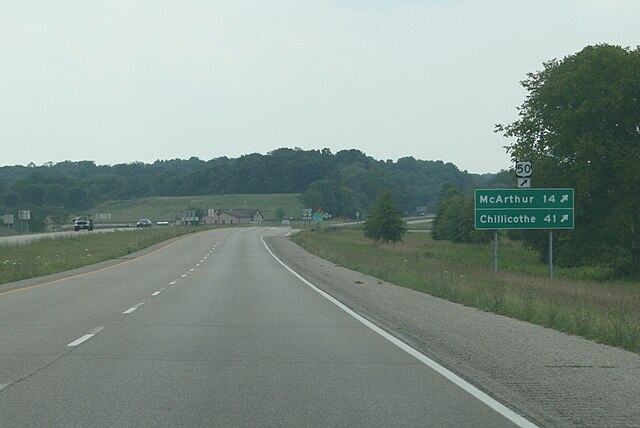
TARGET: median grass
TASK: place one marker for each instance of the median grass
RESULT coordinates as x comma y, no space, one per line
575,302
52,255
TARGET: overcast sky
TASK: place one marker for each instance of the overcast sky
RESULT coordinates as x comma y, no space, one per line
128,81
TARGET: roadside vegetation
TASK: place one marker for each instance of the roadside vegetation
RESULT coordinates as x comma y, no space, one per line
272,206
579,127
576,301
52,255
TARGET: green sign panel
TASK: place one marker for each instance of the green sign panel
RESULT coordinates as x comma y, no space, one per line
524,209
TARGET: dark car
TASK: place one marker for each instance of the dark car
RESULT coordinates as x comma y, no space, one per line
144,222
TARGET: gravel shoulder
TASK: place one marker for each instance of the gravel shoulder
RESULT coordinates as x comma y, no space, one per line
551,378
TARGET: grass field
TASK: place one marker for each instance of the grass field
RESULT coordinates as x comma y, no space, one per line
48,256
575,302
166,208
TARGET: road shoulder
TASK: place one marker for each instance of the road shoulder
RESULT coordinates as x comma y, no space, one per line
549,377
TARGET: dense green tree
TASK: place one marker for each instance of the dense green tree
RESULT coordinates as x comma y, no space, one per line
580,125
454,219
32,194
362,181
77,199
54,195
10,200
385,222
329,196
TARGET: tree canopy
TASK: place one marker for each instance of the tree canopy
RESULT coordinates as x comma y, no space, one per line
385,222
580,125
454,219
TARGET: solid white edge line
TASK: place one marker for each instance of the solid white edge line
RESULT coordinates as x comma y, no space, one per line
466,386
80,340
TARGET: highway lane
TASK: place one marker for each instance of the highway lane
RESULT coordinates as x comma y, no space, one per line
210,331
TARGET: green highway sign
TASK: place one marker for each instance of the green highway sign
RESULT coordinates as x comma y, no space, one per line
522,218
524,209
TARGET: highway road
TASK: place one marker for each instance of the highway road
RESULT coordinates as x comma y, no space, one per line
212,330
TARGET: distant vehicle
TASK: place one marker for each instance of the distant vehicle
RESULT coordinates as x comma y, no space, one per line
144,222
83,222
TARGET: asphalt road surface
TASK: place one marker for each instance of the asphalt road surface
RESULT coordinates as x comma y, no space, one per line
212,330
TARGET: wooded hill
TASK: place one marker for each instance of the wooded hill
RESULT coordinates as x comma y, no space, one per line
350,178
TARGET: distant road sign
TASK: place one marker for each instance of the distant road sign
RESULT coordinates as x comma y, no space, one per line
307,214
24,215
524,209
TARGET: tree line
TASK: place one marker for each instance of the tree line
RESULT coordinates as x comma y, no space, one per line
341,183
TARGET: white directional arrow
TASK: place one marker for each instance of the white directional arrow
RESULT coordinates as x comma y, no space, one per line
565,217
565,198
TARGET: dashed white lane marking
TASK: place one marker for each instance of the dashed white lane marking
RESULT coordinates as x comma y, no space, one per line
128,311
3,385
159,291
83,338
80,340
133,308
464,385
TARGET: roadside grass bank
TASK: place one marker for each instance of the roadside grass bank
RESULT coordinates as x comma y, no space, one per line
51,255
575,302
